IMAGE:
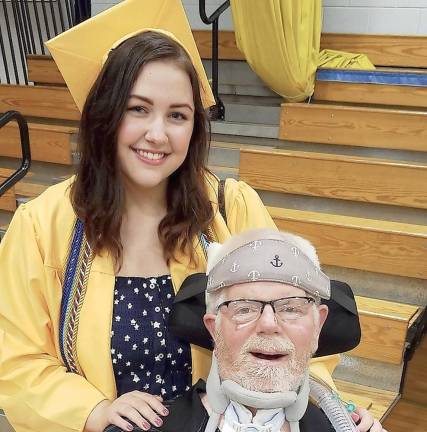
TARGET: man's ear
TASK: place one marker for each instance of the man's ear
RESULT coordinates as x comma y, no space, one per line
209,320
323,314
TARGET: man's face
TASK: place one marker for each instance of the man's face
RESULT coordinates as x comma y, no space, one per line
267,355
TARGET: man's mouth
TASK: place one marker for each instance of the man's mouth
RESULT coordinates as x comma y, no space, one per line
268,355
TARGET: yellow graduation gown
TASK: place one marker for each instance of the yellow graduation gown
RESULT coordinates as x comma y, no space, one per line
36,391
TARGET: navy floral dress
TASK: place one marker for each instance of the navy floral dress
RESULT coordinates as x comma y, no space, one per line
145,355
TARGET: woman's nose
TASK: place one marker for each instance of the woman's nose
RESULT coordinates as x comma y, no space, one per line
156,131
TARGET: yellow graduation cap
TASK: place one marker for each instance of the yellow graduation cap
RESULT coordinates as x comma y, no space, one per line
81,51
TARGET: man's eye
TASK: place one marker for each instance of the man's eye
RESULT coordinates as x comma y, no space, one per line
290,310
245,310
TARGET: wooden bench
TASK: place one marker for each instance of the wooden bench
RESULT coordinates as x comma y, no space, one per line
380,94
354,126
336,176
382,50
364,244
49,142
384,324
39,101
7,200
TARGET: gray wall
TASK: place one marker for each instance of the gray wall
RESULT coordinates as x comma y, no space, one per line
340,16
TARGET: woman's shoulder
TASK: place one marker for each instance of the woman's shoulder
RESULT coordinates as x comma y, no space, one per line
49,216
54,198
233,189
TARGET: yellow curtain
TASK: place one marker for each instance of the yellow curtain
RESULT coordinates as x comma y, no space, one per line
281,42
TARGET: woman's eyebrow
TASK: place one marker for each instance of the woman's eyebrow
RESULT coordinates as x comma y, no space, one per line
182,105
150,102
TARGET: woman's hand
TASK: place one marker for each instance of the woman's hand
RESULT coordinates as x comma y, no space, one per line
366,421
138,407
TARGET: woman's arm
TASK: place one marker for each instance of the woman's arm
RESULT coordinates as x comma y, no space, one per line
36,391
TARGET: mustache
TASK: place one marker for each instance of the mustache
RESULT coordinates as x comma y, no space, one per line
268,344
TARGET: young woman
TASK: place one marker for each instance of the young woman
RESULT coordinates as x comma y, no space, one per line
142,197
89,269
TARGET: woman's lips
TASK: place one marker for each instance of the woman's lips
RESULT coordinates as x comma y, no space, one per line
149,157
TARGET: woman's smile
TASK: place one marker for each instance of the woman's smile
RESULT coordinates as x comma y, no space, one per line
149,157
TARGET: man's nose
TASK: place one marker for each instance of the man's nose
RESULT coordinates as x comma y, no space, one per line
156,131
267,322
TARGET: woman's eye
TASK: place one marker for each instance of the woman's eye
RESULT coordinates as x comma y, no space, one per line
178,116
137,108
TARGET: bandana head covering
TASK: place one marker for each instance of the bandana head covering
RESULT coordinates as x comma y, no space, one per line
266,255
81,51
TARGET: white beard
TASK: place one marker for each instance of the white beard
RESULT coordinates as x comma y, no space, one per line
252,375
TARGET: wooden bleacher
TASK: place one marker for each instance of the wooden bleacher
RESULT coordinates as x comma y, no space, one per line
360,126
378,94
52,143
364,244
382,50
342,177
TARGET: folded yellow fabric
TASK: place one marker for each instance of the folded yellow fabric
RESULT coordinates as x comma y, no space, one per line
333,59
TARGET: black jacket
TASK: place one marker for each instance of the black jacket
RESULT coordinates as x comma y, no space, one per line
187,414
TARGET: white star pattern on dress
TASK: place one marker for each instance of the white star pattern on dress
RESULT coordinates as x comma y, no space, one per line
145,355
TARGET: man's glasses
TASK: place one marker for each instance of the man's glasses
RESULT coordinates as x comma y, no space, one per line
245,311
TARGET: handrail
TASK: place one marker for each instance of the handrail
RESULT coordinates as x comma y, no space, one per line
217,111
25,149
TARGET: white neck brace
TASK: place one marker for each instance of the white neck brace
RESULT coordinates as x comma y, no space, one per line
220,394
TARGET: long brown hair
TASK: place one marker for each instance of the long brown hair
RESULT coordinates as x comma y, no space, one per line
97,195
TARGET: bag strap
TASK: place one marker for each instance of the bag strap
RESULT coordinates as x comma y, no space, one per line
204,239
221,200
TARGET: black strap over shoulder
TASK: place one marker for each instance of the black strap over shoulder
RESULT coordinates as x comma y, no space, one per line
221,199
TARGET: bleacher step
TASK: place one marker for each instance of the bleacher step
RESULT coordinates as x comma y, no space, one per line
354,126
244,129
382,400
38,101
49,142
371,93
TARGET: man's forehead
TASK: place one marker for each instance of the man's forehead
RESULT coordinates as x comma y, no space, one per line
262,290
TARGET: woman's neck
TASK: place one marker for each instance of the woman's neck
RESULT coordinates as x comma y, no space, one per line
142,250
146,202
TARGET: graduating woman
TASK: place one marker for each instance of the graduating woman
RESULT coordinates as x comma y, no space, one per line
90,268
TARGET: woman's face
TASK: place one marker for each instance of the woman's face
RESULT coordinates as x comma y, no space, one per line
156,129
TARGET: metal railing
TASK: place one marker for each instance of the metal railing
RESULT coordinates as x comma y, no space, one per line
218,110
24,27
25,149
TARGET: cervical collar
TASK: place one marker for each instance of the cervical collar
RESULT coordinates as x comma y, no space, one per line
220,394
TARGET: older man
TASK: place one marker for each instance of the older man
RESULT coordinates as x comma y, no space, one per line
265,316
